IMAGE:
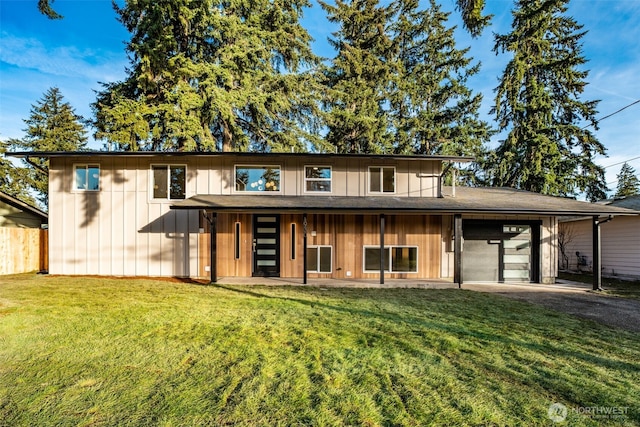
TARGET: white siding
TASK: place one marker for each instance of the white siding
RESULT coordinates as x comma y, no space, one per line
119,230
620,245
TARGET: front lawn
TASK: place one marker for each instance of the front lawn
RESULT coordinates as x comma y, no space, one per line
611,285
103,352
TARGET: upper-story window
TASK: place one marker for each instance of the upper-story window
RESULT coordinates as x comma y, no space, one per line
169,181
382,179
87,177
257,178
317,179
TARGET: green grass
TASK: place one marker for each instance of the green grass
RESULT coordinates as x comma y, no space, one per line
103,352
611,285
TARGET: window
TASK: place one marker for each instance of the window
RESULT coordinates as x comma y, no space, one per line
87,177
293,240
169,181
401,259
236,241
382,179
257,178
319,259
317,179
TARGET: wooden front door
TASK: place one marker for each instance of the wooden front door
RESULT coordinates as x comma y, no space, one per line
266,245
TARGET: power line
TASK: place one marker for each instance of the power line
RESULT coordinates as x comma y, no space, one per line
614,113
624,161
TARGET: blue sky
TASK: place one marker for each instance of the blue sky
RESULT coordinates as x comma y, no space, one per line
87,47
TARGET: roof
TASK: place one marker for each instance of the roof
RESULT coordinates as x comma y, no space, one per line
54,154
19,204
629,202
466,200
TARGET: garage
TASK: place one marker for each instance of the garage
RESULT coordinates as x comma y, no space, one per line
500,251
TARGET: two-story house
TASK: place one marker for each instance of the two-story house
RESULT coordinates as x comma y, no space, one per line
294,216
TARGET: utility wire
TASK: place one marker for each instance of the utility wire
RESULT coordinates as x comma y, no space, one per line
619,163
614,113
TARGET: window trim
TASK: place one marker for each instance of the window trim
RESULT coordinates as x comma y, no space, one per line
305,179
74,185
253,193
152,181
318,259
390,260
381,167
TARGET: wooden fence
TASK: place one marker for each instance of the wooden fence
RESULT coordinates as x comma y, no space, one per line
23,250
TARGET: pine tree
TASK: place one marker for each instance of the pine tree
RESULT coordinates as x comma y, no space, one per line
548,148
52,125
212,75
358,77
628,182
431,109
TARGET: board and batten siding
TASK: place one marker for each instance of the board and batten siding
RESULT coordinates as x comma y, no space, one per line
120,230
620,245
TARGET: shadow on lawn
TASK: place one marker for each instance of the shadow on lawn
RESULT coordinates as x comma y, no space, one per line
461,331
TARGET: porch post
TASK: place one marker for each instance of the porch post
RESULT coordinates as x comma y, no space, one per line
457,249
597,263
382,249
213,231
304,249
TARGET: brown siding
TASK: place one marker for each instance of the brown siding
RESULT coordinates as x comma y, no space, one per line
347,234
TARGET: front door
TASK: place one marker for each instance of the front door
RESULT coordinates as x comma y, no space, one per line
266,245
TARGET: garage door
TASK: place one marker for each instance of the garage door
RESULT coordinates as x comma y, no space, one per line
499,252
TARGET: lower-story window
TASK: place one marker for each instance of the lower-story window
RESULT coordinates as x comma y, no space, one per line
397,259
319,259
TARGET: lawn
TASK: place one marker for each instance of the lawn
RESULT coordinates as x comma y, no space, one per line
611,285
103,352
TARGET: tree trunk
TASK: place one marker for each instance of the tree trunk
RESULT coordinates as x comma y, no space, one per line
227,137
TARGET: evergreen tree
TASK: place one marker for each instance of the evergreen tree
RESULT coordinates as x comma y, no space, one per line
44,6
52,125
473,19
432,110
628,182
209,75
548,149
358,77
14,180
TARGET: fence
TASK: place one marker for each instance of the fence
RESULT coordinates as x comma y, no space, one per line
23,250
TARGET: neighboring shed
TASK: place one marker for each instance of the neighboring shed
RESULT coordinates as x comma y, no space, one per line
16,213
620,242
23,236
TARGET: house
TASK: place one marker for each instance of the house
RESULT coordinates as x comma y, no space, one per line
23,236
16,213
620,242
295,215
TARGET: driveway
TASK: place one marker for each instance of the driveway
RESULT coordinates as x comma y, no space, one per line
572,298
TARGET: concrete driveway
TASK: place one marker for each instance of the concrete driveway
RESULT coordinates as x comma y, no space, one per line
572,298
